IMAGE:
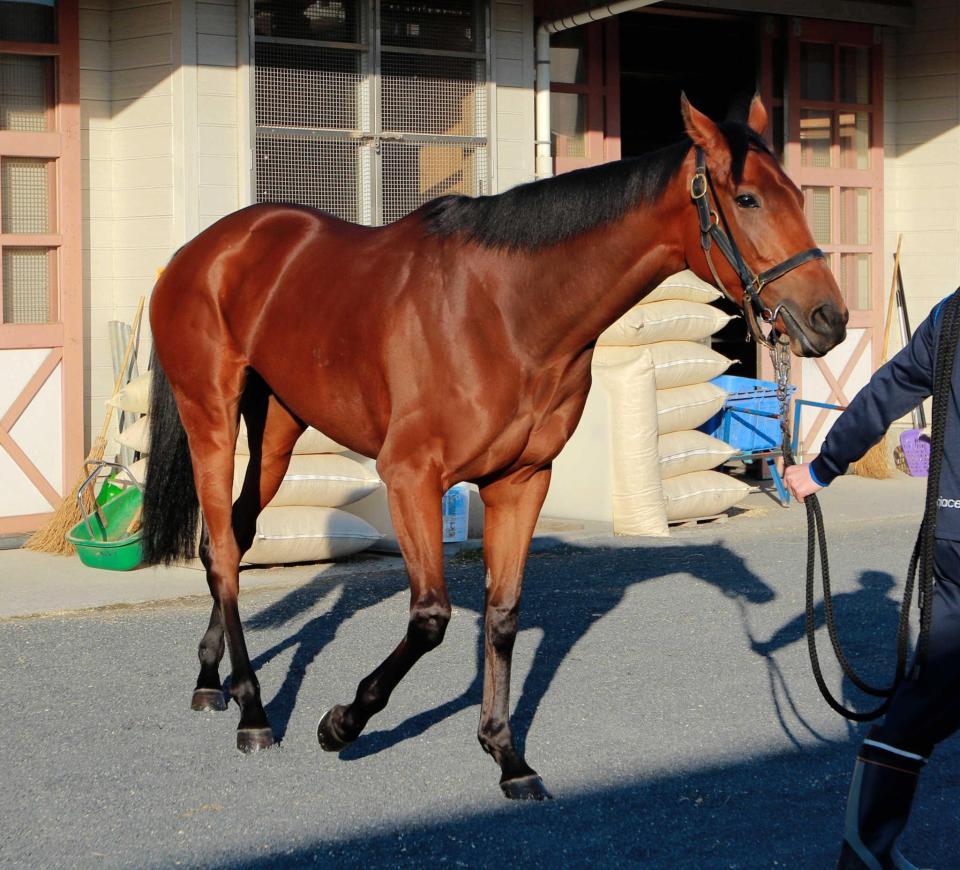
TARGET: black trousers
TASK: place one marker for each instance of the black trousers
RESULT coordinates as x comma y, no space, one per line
926,708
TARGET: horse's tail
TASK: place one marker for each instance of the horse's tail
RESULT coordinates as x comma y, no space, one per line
171,511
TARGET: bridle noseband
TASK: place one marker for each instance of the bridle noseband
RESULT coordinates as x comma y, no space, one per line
711,232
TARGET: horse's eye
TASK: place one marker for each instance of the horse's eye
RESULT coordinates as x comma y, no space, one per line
748,200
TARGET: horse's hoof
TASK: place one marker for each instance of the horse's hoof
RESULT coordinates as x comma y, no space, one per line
525,788
254,739
329,740
208,699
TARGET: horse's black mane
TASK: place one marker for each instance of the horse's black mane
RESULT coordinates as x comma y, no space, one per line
552,210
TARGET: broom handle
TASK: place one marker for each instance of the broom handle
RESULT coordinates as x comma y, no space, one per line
123,366
893,295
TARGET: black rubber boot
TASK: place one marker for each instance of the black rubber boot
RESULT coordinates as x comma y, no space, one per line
881,794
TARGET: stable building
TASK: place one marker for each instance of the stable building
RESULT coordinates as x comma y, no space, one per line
128,126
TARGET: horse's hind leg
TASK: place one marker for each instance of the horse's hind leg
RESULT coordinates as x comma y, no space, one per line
271,433
211,425
415,507
512,507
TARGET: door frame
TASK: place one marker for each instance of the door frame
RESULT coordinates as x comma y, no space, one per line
63,336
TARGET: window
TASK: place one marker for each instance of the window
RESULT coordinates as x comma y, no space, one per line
370,119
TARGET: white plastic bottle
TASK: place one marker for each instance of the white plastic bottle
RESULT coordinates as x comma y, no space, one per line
456,513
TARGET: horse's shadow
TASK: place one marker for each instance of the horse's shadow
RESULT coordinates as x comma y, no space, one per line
862,616
563,603
313,636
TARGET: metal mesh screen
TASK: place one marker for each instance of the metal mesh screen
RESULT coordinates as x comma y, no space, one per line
25,195
818,208
325,174
415,173
328,20
450,25
304,86
430,94
26,21
26,285
321,108
24,93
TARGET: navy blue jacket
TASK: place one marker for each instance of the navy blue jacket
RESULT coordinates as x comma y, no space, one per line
896,389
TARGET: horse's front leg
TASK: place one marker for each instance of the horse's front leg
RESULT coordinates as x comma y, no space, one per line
415,507
512,507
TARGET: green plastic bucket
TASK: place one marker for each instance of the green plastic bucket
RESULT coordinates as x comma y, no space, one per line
106,544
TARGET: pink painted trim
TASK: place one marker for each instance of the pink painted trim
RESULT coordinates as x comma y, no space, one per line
47,144
30,470
64,337
29,392
22,524
14,336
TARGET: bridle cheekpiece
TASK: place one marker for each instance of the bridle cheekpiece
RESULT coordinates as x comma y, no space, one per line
715,231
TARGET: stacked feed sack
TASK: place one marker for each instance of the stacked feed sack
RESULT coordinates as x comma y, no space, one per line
609,469
304,522
134,397
635,458
673,326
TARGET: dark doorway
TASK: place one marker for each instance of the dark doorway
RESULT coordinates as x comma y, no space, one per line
715,59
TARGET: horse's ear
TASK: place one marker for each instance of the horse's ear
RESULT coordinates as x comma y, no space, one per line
757,119
707,135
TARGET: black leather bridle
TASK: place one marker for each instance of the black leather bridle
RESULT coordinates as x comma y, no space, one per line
712,232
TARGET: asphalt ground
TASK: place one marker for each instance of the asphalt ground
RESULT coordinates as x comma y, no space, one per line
661,689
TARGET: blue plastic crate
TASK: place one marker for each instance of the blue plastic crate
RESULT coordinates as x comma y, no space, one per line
749,419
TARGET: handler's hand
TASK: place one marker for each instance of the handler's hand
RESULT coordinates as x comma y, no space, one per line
800,482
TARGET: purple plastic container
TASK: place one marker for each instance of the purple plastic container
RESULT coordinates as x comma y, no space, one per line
915,444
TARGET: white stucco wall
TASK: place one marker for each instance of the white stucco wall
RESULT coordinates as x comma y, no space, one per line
922,145
159,103
127,65
512,73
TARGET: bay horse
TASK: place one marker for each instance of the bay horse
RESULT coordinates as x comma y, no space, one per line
453,345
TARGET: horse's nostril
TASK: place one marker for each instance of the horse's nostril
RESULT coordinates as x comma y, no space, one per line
827,319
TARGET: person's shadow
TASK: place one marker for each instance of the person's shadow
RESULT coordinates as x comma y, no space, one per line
566,606
867,621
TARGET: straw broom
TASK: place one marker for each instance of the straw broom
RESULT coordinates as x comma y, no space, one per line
876,461
52,538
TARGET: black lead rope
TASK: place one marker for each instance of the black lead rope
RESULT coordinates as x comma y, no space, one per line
923,552
714,232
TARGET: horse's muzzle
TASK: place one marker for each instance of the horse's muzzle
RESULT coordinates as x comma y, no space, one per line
821,331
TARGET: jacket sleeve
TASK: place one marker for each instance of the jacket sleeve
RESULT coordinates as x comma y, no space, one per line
895,389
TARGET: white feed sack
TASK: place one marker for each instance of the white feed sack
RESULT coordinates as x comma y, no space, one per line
669,320
685,452
688,407
609,470
134,396
291,534
636,490
683,363
137,435
701,494
139,471
686,286
311,441
316,480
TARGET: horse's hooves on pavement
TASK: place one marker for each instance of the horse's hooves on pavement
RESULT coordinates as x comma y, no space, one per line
525,788
254,739
329,740
208,699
